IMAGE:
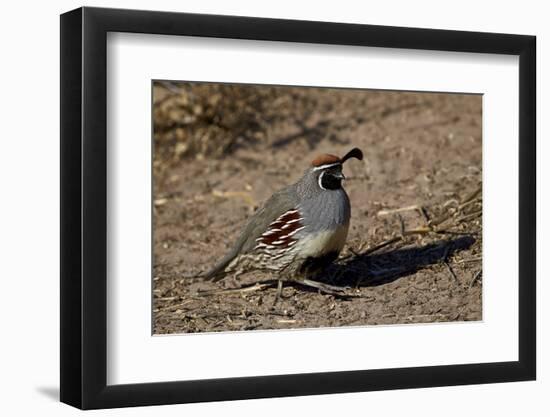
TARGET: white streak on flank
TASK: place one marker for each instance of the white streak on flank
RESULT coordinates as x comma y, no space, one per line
281,238
292,233
287,225
282,253
320,167
286,213
263,246
268,233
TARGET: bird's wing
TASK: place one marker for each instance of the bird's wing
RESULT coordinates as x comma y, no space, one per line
278,204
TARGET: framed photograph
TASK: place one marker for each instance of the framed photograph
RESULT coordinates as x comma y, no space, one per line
258,208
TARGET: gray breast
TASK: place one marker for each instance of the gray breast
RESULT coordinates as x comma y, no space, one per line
327,210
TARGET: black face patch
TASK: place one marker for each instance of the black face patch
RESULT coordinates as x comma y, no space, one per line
331,178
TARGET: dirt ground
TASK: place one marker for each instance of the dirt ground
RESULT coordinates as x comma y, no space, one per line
414,247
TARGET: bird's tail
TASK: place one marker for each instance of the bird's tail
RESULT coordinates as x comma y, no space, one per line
218,272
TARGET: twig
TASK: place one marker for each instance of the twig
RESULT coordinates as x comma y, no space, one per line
401,225
463,261
174,307
335,291
411,232
420,231
437,315
475,278
464,205
451,270
382,245
469,199
451,201
445,256
469,216
451,232
471,196
256,287
424,214
441,220
397,210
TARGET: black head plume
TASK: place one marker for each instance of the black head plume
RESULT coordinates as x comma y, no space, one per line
354,153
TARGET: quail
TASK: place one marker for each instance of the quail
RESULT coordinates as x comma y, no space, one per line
299,230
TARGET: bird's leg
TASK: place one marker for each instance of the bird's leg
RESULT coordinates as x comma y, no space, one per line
279,291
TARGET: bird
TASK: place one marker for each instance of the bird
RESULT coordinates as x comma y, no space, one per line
298,231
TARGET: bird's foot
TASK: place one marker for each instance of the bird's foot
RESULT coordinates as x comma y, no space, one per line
326,288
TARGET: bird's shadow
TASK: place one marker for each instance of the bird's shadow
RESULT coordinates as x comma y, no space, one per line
370,270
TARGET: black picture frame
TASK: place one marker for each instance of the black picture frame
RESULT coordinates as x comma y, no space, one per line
84,207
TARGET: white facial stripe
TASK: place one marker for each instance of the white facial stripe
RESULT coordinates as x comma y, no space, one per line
320,180
320,167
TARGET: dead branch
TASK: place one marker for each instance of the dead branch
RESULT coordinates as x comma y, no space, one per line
475,278
445,261
471,196
251,288
464,261
469,216
397,210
